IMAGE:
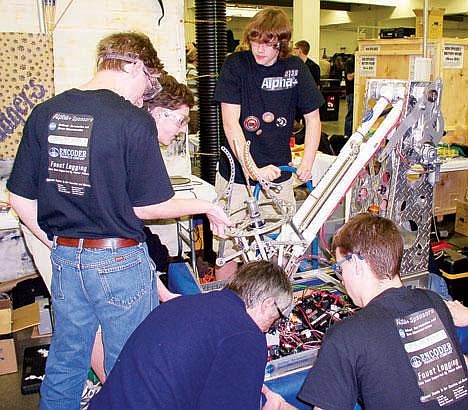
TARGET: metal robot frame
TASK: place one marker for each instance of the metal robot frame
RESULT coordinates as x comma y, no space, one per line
408,125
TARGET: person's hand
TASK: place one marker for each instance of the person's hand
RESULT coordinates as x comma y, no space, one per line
218,220
304,171
459,313
275,401
168,295
270,172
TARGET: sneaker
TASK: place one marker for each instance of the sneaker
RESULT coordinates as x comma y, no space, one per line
89,391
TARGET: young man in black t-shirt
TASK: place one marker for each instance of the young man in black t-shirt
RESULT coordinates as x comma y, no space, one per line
261,91
400,351
301,49
87,173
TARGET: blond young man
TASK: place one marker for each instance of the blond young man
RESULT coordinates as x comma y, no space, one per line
261,91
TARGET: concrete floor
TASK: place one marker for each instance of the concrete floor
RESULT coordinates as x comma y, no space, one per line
10,384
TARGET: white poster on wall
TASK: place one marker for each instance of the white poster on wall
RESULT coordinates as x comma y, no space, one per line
453,56
368,66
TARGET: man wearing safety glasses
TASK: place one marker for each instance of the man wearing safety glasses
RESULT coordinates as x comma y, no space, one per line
87,173
206,351
170,109
261,91
400,351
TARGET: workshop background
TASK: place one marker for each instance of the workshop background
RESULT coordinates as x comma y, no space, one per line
49,46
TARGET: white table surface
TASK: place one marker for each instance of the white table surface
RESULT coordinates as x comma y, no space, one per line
454,164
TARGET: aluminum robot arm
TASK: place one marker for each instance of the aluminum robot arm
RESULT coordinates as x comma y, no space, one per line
333,186
299,230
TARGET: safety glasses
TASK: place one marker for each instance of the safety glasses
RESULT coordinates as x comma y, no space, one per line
284,314
261,45
179,119
337,267
153,87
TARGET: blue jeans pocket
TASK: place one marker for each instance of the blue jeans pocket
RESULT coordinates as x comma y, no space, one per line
125,279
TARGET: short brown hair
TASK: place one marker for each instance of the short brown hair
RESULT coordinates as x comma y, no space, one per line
256,281
128,44
270,25
376,239
303,45
172,96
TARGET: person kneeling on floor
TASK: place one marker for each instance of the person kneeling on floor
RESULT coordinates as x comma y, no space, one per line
204,351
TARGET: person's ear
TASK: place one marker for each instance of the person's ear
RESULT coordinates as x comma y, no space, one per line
358,265
128,67
267,305
134,68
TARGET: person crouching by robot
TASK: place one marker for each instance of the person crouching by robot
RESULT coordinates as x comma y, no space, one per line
400,351
204,351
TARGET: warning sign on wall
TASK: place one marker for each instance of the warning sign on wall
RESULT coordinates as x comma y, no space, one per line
368,66
453,56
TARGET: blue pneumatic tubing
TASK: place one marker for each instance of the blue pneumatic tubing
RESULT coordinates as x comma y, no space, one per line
310,187
286,168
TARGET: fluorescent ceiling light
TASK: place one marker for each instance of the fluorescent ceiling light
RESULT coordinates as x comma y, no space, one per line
388,3
233,11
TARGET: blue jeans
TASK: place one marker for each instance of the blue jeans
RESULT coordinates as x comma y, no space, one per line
438,285
114,288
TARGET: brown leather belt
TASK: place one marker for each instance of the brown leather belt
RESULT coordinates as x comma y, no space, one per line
97,243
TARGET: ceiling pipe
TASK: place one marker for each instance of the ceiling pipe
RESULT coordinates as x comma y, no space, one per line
426,11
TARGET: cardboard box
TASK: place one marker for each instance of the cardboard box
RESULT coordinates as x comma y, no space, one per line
435,22
7,357
5,316
18,319
461,218
449,191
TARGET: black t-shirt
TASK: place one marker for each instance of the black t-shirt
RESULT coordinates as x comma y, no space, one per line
314,70
386,354
349,69
270,97
89,157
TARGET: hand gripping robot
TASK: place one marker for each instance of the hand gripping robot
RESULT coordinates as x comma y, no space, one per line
388,166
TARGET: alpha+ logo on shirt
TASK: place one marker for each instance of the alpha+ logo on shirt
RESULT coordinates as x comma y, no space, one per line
289,80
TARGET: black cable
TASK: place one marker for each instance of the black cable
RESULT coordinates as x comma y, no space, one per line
161,4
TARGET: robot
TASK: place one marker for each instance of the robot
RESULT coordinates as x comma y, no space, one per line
388,166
